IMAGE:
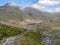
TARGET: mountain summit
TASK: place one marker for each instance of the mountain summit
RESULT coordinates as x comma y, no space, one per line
11,4
11,11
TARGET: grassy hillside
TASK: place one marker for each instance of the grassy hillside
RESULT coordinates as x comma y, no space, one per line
31,38
7,31
28,38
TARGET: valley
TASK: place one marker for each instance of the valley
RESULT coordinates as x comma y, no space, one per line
28,26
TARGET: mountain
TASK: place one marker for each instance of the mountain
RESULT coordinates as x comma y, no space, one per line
12,12
41,15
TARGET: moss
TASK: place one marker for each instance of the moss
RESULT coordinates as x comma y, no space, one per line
32,38
7,31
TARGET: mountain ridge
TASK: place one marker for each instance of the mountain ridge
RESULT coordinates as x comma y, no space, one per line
27,15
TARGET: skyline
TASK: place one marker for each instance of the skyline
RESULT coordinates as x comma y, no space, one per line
46,5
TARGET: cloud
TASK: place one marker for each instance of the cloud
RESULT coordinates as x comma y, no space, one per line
57,10
48,2
45,3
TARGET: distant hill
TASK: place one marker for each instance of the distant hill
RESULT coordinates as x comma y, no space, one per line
9,12
41,15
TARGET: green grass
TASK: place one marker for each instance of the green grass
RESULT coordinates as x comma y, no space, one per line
32,38
7,31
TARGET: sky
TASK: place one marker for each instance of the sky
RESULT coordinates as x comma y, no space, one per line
23,3
45,5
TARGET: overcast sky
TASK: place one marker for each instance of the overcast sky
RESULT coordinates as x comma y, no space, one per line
46,5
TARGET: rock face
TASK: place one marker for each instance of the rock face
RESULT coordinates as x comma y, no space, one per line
57,36
47,41
12,40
